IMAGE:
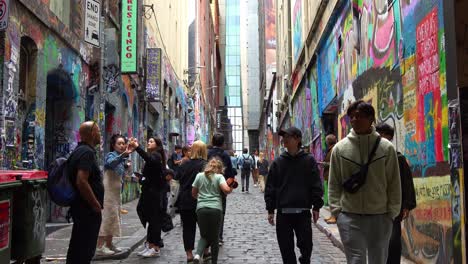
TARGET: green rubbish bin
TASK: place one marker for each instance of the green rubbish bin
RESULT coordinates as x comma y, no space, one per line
8,183
29,216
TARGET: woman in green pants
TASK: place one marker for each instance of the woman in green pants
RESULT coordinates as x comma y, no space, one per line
207,189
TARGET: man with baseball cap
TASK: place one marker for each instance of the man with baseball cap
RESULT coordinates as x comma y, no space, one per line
293,188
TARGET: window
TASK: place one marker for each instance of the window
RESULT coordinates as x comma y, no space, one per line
61,8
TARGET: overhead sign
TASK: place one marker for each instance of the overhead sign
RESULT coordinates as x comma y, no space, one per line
4,7
92,15
128,54
153,74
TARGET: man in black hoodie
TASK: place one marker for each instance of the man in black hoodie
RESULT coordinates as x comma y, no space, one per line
217,151
293,188
408,196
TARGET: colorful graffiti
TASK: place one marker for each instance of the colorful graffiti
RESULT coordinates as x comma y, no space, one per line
392,54
301,112
297,38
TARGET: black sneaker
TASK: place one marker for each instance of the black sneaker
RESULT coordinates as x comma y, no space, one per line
242,189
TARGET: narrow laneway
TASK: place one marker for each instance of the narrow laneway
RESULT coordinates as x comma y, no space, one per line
248,237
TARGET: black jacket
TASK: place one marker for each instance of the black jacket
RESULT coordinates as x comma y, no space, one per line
293,182
149,206
408,194
229,172
186,175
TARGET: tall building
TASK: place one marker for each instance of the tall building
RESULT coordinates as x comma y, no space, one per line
252,74
233,88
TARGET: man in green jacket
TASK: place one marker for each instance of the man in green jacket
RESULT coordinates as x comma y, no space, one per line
364,216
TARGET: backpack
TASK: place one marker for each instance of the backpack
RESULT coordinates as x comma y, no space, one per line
247,163
59,182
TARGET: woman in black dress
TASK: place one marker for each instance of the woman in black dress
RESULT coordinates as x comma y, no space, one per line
149,206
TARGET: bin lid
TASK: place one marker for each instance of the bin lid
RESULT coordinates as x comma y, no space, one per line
29,174
7,177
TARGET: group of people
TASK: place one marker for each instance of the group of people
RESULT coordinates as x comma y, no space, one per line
370,191
251,164
205,176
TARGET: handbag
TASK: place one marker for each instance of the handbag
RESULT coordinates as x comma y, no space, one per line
357,179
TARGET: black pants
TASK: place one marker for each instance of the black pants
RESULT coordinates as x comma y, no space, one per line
245,175
86,224
223,200
286,226
189,227
153,211
394,249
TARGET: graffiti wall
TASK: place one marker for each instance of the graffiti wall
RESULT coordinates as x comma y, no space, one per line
301,112
392,54
297,38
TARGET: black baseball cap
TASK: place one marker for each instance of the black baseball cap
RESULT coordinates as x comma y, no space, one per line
292,131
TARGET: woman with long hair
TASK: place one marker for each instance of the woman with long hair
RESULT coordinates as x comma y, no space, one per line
262,165
114,171
185,202
149,206
207,188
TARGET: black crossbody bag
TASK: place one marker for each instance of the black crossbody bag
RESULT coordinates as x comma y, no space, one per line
357,179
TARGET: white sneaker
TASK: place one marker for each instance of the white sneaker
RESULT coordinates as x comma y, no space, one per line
151,253
116,249
255,185
104,251
196,259
145,248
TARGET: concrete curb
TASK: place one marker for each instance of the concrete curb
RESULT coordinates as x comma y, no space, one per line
132,243
128,245
336,241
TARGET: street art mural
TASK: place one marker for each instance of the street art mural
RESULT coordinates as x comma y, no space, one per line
301,112
48,126
392,55
297,39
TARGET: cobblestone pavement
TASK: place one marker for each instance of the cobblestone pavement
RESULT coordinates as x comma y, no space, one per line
248,237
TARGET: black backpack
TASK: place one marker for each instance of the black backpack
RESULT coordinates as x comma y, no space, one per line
247,163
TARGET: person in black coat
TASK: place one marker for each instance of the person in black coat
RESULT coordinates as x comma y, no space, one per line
185,202
229,172
408,197
153,183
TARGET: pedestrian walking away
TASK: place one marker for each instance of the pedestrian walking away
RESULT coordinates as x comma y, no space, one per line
408,197
246,164
185,202
87,207
293,188
262,171
364,189
114,171
229,172
149,206
207,189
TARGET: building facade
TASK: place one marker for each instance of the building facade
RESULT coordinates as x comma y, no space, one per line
400,56
52,81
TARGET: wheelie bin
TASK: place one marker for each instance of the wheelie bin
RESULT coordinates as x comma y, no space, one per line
8,183
29,216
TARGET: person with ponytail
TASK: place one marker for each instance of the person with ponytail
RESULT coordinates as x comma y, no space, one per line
207,188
